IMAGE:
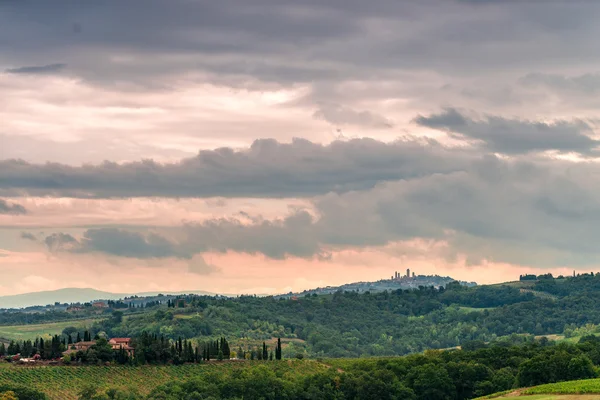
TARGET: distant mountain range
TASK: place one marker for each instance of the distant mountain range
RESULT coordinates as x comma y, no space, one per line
75,295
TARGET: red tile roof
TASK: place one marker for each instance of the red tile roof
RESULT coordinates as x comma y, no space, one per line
120,340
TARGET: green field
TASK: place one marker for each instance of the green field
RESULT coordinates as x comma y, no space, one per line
557,397
584,389
30,332
64,382
475,309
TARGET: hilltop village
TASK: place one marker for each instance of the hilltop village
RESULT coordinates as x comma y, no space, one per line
396,281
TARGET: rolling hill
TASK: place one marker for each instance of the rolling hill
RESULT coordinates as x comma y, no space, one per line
74,295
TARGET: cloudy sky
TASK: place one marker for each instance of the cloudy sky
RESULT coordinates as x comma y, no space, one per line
262,146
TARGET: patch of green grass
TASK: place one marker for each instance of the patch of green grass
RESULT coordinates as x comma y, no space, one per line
570,387
471,309
587,389
516,284
30,332
552,397
562,338
559,397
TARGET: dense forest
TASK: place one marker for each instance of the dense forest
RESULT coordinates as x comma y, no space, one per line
349,324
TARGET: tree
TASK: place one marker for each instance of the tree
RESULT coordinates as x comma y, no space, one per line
88,392
10,395
581,367
103,350
278,349
535,371
431,382
265,352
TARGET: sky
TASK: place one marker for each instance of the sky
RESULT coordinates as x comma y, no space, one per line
268,146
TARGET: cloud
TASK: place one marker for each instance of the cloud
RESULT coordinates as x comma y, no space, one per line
338,115
11,208
267,169
61,242
28,236
276,239
586,84
36,70
510,136
541,214
283,41
199,266
116,242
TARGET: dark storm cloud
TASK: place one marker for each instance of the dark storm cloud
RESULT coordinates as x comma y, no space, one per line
266,169
34,70
11,208
510,136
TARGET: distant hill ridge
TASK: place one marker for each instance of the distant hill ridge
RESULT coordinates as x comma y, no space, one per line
82,295
75,295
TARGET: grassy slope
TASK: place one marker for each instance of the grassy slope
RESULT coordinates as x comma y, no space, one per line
583,389
25,332
63,383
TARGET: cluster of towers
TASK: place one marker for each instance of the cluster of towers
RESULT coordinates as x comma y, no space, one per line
397,276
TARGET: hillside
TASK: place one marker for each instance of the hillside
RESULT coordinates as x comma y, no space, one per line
433,375
585,389
351,324
72,295
64,383
395,283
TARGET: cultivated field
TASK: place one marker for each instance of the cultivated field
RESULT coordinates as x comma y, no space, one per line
587,389
64,382
30,332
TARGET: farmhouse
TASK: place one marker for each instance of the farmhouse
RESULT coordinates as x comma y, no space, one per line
82,345
79,346
122,343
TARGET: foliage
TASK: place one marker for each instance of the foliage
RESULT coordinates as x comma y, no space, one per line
433,375
349,324
21,392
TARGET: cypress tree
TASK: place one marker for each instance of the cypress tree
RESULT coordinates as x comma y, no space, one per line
278,349
265,353
2,349
78,337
